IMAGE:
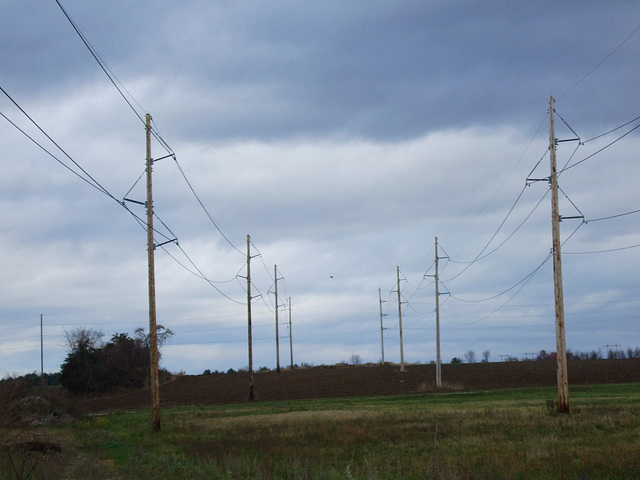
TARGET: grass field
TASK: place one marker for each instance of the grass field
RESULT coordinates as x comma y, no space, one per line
495,434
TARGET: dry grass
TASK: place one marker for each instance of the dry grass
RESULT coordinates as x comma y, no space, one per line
484,435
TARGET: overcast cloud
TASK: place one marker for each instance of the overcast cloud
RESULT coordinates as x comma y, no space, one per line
343,137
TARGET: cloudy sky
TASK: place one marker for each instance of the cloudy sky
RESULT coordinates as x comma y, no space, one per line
343,137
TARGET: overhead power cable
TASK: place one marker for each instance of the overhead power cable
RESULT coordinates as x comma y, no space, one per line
477,257
522,282
609,250
215,224
599,151
505,179
601,62
114,79
199,274
612,216
121,89
612,130
87,178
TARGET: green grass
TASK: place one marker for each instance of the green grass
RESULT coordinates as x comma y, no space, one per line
478,435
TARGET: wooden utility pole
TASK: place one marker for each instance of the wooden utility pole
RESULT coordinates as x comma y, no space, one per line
561,351
250,335
275,275
290,335
41,355
381,326
438,358
400,323
153,332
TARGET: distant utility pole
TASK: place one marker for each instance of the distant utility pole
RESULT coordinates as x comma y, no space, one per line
41,355
400,323
381,325
153,332
438,357
561,351
250,335
290,335
275,275
615,350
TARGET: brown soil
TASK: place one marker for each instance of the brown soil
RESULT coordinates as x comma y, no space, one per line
366,380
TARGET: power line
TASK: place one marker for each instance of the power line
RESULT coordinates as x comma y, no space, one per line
95,184
119,86
506,178
509,236
215,224
601,62
89,179
107,71
492,237
599,151
602,251
525,280
611,131
612,216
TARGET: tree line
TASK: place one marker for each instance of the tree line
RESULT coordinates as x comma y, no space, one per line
609,354
94,366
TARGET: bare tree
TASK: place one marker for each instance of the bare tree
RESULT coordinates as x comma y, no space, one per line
470,356
485,356
81,338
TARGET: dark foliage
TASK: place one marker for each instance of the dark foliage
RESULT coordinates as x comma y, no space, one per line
121,363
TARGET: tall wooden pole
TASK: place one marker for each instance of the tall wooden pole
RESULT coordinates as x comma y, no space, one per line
41,355
290,335
153,333
561,351
275,276
381,326
438,358
400,324
250,335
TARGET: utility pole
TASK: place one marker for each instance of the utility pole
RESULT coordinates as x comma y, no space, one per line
290,335
400,323
438,357
275,276
612,353
250,335
153,332
381,326
41,356
561,351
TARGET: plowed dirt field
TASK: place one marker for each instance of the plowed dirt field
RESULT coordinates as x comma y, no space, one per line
346,381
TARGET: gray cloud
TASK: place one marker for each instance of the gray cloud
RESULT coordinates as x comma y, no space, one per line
343,139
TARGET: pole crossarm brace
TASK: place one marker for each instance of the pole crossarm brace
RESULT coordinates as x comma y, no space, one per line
175,240
135,201
529,181
172,155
